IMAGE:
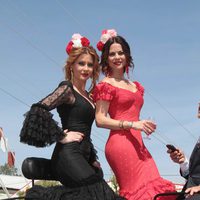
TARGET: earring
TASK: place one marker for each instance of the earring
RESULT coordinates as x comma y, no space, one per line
127,71
72,75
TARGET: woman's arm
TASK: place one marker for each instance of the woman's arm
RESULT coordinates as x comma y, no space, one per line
63,94
39,128
102,118
104,121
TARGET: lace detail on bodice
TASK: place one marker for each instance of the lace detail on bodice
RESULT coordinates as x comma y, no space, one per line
62,94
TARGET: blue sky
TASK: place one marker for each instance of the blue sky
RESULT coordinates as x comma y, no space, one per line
165,44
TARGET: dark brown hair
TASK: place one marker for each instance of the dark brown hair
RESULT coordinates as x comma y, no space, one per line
105,53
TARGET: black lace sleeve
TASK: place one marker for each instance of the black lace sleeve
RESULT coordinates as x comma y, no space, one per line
62,94
39,128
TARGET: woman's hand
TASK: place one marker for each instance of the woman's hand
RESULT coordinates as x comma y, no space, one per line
72,136
96,164
146,126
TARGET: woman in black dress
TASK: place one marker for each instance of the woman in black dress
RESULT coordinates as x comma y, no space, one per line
74,160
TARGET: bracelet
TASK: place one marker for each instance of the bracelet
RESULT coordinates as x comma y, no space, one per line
130,124
121,125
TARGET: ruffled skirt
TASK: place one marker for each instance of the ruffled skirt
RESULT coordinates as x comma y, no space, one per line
149,191
96,191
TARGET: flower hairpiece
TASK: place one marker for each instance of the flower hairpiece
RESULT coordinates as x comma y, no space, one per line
77,41
105,36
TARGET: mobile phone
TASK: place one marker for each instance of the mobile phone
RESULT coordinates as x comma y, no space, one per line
171,147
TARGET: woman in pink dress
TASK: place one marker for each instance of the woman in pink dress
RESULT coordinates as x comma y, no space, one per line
118,105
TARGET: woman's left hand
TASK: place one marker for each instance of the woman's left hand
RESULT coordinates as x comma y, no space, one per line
96,164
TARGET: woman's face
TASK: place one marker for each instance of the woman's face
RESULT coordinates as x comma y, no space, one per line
116,57
83,67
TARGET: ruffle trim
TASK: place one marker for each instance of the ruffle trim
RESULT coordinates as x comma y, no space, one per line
147,192
97,191
103,91
139,87
39,128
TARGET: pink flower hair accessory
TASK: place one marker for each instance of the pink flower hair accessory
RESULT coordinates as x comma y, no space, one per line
105,36
77,41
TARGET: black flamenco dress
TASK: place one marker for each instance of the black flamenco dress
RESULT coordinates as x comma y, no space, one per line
71,163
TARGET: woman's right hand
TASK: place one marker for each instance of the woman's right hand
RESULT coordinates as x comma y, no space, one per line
72,136
146,126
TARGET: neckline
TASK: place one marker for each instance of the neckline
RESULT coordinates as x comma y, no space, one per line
123,88
93,106
118,79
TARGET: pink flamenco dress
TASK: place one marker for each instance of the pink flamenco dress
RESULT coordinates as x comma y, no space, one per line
131,162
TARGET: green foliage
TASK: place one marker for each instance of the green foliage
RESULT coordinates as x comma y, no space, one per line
7,170
113,184
21,194
46,183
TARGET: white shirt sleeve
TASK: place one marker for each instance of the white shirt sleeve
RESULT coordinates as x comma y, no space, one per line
185,167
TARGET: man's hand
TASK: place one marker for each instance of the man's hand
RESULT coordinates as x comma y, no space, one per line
191,191
177,156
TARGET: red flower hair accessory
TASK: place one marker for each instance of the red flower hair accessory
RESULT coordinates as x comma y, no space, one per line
105,36
77,41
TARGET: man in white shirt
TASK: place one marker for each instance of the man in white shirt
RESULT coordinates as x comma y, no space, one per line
179,157
189,169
